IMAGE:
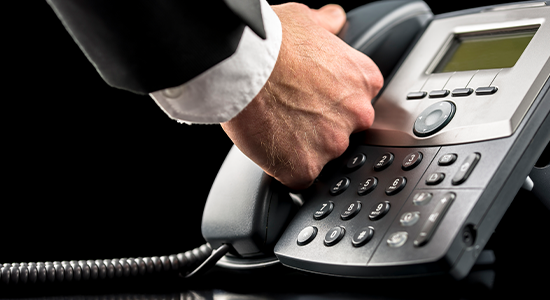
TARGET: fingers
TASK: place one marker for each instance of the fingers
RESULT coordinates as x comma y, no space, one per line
331,17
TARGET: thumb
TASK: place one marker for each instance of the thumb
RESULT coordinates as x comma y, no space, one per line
332,17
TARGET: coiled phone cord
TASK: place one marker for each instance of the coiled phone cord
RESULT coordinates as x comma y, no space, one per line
100,269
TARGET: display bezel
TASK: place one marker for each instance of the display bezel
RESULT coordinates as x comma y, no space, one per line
456,38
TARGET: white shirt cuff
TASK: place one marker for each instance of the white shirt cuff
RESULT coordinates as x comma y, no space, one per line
221,92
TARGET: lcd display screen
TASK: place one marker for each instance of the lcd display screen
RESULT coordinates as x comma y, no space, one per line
485,51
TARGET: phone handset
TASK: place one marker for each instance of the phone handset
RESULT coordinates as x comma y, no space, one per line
249,210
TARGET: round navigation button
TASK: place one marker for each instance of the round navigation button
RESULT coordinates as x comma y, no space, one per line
307,235
433,118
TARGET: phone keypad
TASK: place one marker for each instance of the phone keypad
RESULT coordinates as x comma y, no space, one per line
394,207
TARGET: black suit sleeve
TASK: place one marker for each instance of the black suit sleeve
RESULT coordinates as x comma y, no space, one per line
145,46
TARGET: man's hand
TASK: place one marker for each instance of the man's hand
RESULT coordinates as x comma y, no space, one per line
317,95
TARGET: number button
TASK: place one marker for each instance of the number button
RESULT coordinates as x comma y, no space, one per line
356,162
411,161
379,210
396,186
334,235
325,209
351,211
384,161
339,186
367,186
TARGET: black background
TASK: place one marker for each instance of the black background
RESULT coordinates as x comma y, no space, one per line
90,171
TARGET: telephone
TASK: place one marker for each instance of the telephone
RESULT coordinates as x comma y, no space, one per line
459,125
419,193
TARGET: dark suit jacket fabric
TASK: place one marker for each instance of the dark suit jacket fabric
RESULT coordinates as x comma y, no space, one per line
145,46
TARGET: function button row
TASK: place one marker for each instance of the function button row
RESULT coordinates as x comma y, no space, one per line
458,92
434,219
398,239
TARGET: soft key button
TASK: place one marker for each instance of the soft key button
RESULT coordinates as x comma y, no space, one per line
439,93
416,95
462,92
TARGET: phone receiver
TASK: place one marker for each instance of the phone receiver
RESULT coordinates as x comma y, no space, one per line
248,209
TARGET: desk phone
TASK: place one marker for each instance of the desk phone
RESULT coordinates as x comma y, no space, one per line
461,121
